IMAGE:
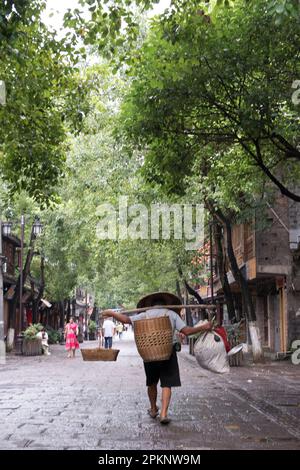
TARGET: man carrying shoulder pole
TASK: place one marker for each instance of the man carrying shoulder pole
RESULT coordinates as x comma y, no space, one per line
167,372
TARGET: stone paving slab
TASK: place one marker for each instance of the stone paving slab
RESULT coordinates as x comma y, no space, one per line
59,403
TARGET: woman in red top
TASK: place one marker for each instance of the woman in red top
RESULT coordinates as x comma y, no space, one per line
71,333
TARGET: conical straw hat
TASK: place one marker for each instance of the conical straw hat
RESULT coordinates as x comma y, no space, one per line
169,299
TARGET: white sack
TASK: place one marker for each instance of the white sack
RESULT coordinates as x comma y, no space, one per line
211,354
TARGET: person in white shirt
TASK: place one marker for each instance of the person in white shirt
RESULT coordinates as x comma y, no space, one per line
43,335
108,332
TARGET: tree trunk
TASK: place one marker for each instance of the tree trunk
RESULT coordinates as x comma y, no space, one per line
40,292
238,275
217,233
61,314
15,300
178,290
194,293
188,313
258,355
257,349
68,309
33,302
73,308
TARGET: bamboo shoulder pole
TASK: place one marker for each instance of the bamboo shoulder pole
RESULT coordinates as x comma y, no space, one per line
170,307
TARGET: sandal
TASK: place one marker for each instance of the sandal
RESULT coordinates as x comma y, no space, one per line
164,420
152,414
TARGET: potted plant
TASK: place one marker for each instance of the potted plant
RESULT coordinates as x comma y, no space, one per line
92,329
32,346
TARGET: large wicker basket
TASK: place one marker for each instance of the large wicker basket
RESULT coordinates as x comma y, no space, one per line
99,354
154,338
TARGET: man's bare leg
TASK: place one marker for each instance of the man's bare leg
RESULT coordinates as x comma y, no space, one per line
165,402
152,394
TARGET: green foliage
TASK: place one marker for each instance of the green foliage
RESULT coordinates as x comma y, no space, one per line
92,326
213,99
14,13
280,9
54,336
114,28
32,330
100,169
44,100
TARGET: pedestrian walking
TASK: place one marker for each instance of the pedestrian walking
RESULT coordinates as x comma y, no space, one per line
120,329
43,336
167,372
71,333
108,332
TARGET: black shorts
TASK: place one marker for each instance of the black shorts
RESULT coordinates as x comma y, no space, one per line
165,371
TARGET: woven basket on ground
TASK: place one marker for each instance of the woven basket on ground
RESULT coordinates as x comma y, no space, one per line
99,354
154,338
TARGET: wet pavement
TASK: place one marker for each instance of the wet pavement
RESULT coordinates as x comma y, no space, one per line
59,403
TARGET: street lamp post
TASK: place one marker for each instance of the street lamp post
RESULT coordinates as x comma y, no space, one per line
36,230
5,229
21,270
2,343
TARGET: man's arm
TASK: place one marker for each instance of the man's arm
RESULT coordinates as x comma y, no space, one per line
118,316
191,330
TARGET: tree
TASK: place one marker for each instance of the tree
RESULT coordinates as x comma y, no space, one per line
43,92
14,13
100,169
226,82
114,26
210,98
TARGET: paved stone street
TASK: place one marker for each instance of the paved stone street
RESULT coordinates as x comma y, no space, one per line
59,403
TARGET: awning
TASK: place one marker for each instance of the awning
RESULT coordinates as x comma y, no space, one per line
45,302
